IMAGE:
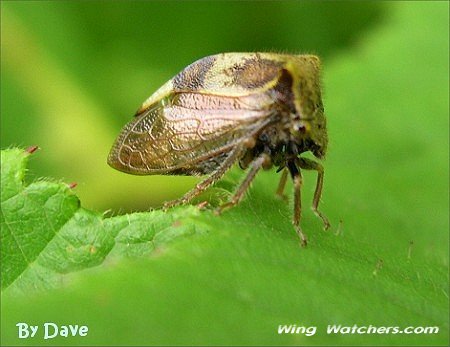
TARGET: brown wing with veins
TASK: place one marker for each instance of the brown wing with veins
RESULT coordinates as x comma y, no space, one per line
190,135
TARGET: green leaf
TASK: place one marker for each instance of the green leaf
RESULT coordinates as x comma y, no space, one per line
45,232
243,274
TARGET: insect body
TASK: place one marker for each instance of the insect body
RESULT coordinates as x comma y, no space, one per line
260,109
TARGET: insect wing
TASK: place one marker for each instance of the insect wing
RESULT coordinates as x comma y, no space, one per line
183,135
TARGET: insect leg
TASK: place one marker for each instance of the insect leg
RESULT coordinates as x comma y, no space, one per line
282,184
255,166
297,178
203,185
309,164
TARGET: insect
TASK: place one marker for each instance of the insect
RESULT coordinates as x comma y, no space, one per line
258,109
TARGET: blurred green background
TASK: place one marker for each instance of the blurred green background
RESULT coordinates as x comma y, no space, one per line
73,73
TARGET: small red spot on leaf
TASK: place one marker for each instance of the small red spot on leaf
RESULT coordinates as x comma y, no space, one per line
32,149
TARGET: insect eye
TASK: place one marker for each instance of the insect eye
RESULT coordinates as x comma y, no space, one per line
301,128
